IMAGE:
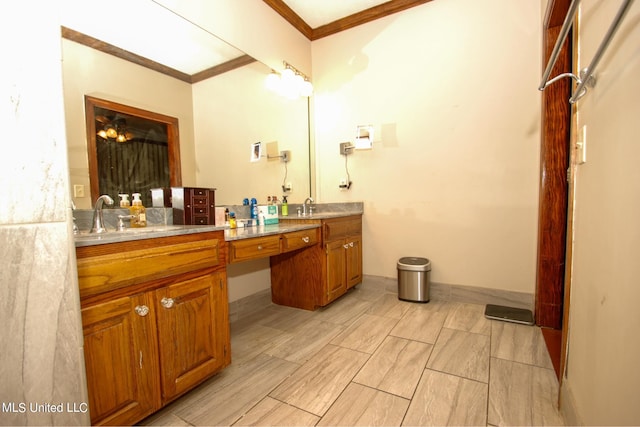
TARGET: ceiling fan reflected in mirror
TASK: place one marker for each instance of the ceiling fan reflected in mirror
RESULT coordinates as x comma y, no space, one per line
113,129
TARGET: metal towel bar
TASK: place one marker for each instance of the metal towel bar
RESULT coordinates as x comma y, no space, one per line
566,26
581,89
586,75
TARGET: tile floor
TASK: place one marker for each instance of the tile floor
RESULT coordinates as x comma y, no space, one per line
370,359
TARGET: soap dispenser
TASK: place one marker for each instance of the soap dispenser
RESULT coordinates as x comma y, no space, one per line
124,201
138,212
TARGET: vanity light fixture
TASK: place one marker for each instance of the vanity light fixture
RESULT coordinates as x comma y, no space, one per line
290,83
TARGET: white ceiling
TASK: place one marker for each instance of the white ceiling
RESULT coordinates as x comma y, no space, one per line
320,12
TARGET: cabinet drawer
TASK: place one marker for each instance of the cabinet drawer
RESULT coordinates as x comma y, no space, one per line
199,201
243,250
98,273
343,227
299,239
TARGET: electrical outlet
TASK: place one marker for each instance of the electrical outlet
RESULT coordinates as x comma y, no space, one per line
78,190
288,188
285,156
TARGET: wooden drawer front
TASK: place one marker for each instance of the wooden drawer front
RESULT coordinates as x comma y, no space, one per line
254,248
102,273
299,239
201,202
355,226
200,192
200,210
340,228
200,220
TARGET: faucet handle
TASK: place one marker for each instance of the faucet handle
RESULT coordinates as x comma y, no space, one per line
121,219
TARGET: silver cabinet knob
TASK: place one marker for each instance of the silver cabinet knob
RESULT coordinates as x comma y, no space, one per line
305,239
351,244
346,246
167,302
259,247
141,310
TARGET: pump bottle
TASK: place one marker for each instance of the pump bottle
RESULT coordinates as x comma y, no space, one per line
138,212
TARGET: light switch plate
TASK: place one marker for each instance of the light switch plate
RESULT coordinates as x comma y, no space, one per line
581,146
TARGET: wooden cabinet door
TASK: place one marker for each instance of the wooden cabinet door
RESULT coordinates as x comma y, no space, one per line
193,332
121,359
354,260
336,284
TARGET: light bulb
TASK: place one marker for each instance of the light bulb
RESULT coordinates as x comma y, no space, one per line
111,132
288,74
272,82
306,88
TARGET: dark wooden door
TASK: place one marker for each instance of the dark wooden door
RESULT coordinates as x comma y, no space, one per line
554,162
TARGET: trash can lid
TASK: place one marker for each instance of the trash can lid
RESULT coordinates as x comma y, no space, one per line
414,264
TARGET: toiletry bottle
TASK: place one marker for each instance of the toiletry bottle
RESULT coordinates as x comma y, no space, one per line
124,201
226,216
232,220
138,212
285,206
261,220
254,209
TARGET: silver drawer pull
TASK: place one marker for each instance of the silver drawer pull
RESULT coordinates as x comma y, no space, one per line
346,246
259,247
167,302
351,244
141,310
305,239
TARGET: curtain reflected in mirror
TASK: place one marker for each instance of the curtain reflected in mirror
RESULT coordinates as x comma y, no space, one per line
130,150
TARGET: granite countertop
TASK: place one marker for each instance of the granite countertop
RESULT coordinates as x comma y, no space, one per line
154,231
151,232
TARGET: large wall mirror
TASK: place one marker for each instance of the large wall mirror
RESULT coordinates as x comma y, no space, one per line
222,110
130,150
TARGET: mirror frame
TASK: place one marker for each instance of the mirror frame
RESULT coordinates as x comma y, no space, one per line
173,139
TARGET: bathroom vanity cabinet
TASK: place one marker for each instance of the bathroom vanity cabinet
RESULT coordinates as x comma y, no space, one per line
318,275
155,320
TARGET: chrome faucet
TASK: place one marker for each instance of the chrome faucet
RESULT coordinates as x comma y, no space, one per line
76,230
98,220
306,212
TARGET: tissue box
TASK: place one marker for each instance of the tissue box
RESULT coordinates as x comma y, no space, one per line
270,213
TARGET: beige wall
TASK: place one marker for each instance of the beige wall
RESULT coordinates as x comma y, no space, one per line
603,377
453,175
89,72
233,111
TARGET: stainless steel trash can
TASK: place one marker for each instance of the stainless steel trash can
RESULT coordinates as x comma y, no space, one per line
413,279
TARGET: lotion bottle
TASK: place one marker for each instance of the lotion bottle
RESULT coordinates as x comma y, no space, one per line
138,212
